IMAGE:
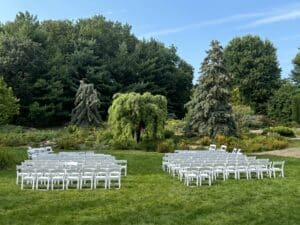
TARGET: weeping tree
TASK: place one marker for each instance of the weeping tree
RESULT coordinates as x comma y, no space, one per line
209,111
134,116
87,105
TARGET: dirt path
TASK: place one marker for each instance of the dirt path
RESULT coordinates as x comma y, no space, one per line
288,152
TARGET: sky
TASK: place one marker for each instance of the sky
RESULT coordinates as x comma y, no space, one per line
190,25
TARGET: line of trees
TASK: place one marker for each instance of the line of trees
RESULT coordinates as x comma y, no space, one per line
44,62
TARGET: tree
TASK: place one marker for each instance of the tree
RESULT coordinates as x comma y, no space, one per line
44,61
9,105
280,105
295,75
254,66
296,108
134,116
87,104
209,111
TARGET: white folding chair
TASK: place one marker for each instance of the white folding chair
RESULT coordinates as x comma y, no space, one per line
278,166
72,177
114,176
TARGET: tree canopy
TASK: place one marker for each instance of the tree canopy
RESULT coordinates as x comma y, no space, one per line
44,61
295,75
9,105
253,64
209,111
281,104
134,116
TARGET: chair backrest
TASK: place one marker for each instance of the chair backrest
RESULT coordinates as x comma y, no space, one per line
212,147
278,164
223,148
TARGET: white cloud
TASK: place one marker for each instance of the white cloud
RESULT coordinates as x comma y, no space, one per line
255,19
284,16
218,21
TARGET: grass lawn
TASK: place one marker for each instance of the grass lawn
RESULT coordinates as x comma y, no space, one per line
150,196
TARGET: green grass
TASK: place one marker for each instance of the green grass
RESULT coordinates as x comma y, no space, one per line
149,196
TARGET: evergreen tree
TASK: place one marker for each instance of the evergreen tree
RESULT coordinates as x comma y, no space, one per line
9,105
87,104
209,111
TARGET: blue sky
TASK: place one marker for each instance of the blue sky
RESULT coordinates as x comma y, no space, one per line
190,25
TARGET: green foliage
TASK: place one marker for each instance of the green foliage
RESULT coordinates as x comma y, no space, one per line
9,105
25,137
6,159
263,143
209,111
133,116
295,75
205,141
296,108
166,146
87,105
236,96
246,119
254,66
281,130
169,134
9,158
44,61
280,105
176,126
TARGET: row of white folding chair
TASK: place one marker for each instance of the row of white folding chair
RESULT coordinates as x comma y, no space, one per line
199,175
67,178
50,168
168,165
258,169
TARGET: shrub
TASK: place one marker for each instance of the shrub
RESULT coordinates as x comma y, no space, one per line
6,159
220,139
72,129
148,145
243,116
69,141
281,130
123,144
166,146
205,141
177,126
169,133
182,145
263,143
22,137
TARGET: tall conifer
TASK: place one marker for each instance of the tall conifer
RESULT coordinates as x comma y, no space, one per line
209,111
